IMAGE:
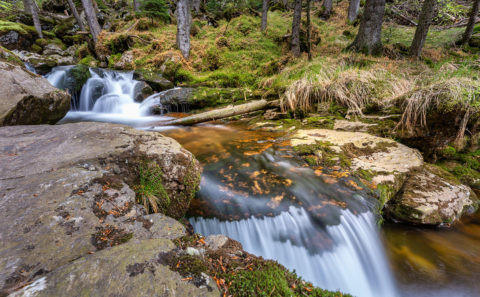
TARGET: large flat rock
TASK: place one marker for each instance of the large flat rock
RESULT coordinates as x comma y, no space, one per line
410,190
29,99
67,191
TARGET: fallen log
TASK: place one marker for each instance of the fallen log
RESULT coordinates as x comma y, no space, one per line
222,113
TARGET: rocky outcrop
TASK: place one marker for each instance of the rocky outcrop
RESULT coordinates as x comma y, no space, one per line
428,199
394,171
153,79
43,64
69,196
27,98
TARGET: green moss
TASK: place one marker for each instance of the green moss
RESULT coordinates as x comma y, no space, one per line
6,26
36,48
113,59
88,61
321,122
80,74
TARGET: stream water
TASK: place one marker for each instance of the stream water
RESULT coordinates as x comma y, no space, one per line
319,223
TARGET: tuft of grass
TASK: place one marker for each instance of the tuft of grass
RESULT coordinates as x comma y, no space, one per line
150,191
458,94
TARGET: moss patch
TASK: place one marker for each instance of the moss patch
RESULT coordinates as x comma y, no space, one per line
236,272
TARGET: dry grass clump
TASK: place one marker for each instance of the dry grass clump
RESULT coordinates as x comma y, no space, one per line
352,88
455,94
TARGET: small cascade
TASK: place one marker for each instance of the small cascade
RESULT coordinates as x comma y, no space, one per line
354,262
30,67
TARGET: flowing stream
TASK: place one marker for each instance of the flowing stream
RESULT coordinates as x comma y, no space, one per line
319,223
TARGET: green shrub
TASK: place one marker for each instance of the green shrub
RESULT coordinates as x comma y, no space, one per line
154,9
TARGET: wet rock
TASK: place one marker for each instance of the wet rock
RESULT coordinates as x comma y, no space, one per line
142,91
411,191
44,63
28,98
53,49
428,199
132,269
16,40
126,61
56,210
274,114
153,79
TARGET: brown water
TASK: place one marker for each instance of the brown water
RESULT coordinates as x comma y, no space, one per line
425,261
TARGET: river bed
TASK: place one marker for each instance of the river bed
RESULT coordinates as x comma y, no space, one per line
255,190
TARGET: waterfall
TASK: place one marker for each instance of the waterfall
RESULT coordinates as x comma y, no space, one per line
107,96
354,263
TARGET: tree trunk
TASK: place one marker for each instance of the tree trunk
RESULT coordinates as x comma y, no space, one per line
136,5
297,17
471,22
353,8
264,15
222,113
424,22
184,21
327,8
91,19
76,15
197,4
369,35
31,9
309,31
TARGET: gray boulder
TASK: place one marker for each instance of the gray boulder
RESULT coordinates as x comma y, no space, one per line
27,98
67,192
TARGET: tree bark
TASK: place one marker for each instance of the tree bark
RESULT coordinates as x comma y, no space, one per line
309,31
222,113
353,8
136,5
184,22
471,22
264,15
91,19
76,15
197,4
424,22
369,35
32,9
327,8
297,17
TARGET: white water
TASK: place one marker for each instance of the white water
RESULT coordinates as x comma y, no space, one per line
355,264
354,261
108,96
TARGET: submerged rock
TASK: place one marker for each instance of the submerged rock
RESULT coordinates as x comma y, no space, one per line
27,98
68,191
410,190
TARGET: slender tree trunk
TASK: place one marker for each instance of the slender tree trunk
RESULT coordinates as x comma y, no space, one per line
184,21
309,31
353,8
369,35
91,19
327,8
136,5
264,15
197,4
297,17
471,22
424,22
32,9
76,15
